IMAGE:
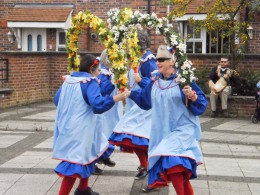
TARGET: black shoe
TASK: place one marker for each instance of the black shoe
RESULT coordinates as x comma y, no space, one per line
147,189
107,162
88,191
98,171
213,114
142,173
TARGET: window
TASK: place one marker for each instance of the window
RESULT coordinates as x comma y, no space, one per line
217,44
61,40
29,42
204,42
33,39
39,43
194,39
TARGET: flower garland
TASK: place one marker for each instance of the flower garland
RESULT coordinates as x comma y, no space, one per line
115,52
72,37
122,23
121,40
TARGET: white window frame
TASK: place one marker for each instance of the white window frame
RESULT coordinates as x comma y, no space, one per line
58,45
202,39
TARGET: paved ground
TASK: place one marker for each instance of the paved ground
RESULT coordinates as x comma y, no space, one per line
231,149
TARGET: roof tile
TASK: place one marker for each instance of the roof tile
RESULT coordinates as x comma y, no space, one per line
35,14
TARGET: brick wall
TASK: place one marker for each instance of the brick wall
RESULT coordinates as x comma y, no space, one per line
35,77
253,45
100,9
238,107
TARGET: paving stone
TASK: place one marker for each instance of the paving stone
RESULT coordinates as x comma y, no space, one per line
230,147
27,125
8,140
50,115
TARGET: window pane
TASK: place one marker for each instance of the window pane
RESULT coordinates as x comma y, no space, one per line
189,47
29,39
62,39
192,33
61,49
226,45
214,41
39,43
197,34
198,47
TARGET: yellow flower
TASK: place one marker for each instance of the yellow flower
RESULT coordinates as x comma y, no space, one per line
117,64
123,79
126,14
102,31
112,55
115,47
72,47
73,38
71,55
77,61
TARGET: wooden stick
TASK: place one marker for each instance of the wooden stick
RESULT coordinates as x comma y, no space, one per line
186,101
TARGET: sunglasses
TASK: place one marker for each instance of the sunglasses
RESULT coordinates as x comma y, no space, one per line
162,59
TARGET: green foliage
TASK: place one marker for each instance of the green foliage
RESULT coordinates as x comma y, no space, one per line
246,85
203,78
221,16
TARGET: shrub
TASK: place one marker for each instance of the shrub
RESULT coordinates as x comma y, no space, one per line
246,85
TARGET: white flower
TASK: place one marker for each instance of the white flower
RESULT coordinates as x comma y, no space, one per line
114,28
185,72
157,32
187,64
170,25
122,28
140,19
183,80
159,25
182,47
154,15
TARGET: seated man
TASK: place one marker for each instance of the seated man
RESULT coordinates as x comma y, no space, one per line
219,84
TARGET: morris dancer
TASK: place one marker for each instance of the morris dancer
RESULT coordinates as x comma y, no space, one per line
133,130
174,151
77,141
108,120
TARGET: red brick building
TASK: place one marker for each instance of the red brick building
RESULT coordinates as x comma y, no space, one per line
32,43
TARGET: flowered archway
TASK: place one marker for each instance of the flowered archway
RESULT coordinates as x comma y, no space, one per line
120,39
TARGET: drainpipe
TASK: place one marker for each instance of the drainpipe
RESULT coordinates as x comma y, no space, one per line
148,6
167,12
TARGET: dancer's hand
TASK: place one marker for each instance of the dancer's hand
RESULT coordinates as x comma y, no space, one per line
137,78
187,90
191,94
120,96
